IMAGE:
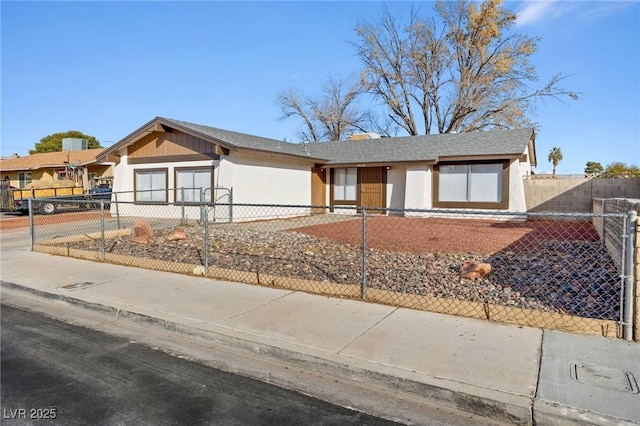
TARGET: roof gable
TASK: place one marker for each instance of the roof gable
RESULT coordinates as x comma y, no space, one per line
226,139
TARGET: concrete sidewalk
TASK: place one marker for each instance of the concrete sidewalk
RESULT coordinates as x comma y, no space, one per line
507,373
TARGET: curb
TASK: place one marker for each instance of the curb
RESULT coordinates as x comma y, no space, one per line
501,406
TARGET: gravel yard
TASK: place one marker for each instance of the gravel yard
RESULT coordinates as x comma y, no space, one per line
550,266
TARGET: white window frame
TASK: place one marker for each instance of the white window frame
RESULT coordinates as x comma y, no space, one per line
160,189
191,189
345,184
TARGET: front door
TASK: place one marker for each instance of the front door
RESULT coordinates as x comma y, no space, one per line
318,189
373,188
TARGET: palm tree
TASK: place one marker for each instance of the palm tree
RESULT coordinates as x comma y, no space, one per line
555,156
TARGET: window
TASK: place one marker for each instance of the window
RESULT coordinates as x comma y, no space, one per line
345,182
454,183
471,185
193,181
24,179
151,186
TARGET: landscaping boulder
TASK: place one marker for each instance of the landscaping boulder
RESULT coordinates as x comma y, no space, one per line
142,232
474,270
177,235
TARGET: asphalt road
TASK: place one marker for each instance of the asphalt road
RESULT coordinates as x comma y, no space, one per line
57,373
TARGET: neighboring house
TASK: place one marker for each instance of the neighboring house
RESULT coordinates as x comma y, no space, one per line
78,165
480,170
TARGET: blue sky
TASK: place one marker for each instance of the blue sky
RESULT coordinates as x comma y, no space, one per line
106,68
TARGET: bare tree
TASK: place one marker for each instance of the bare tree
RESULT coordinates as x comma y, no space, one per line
470,74
330,116
293,104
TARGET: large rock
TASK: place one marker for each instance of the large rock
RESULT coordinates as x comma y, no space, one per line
142,232
177,235
474,270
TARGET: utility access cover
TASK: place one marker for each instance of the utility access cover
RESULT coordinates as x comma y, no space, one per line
602,377
77,286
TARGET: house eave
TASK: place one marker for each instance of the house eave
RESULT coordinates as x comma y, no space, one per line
282,154
333,165
466,158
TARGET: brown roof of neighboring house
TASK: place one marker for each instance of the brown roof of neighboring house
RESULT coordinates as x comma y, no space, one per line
50,159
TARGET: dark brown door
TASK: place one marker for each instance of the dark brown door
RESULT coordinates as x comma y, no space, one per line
318,189
373,188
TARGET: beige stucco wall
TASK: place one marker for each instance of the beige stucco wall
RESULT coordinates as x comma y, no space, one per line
254,178
35,176
517,200
396,183
417,189
576,194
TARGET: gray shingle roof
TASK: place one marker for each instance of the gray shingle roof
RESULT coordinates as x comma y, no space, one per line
506,143
245,141
383,150
424,148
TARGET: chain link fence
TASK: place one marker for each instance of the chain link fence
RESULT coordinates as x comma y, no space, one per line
546,270
612,228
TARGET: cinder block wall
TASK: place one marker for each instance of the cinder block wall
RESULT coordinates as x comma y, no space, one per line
610,230
576,194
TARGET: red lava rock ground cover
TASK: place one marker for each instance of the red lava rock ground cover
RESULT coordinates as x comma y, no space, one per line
445,235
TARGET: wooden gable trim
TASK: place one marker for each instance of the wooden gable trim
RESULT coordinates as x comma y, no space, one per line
531,148
158,125
177,145
172,158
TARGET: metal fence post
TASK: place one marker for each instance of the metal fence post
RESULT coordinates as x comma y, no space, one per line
182,204
102,240
364,253
206,236
31,225
627,313
202,207
231,205
115,195
604,221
